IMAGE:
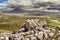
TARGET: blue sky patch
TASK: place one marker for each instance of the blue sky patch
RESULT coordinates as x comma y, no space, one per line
1,1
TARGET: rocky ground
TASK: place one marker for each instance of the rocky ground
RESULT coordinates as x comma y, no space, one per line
33,29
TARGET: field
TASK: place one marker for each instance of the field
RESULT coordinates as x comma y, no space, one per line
11,22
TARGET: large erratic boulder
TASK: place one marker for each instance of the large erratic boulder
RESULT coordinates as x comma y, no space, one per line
33,24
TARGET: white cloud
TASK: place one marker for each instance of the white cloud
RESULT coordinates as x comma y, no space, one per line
26,2
29,2
20,2
3,6
54,1
23,2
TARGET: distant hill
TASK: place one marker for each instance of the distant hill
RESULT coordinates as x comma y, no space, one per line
16,10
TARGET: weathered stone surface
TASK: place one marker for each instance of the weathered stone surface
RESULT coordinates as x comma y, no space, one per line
33,23
33,29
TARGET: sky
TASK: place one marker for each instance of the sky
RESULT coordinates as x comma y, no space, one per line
26,2
29,2
1,1
32,0
4,3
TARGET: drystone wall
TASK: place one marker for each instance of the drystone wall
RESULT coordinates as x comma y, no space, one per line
33,29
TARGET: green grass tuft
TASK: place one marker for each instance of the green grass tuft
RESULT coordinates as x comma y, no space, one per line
13,22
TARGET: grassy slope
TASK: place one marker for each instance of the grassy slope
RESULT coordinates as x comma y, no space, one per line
12,22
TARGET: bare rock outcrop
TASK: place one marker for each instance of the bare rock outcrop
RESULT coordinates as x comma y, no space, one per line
33,24
35,29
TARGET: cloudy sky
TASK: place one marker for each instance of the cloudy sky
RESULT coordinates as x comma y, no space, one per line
4,3
28,2
25,2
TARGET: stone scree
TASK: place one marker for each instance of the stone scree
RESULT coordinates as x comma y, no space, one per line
33,29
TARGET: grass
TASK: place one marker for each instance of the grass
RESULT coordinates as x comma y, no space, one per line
12,22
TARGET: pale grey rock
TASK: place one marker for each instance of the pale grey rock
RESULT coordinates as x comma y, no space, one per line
39,35
32,32
33,23
33,29
26,39
33,38
21,30
1,38
58,36
45,35
51,34
57,28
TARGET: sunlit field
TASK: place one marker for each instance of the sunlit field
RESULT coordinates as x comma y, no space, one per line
11,22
